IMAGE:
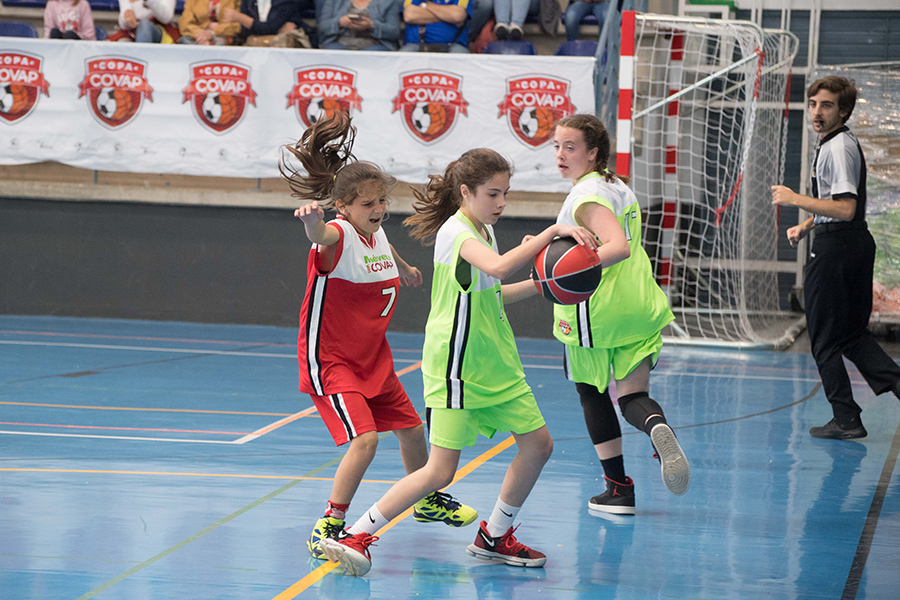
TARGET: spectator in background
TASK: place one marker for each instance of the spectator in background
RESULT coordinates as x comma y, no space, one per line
436,26
69,19
578,10
265,17
482,11
147,21
511,15
359,25
200,23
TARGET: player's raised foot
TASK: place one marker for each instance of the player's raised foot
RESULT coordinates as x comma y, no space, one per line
504,549
833,431
441,507
326,527
618,498
676,472
352,551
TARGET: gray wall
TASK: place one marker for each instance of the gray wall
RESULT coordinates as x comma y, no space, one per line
198,264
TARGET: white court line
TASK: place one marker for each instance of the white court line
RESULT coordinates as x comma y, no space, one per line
707,375
273,426
241,440
174,350
115,437
396,360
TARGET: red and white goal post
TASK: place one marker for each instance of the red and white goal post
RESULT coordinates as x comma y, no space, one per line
701,131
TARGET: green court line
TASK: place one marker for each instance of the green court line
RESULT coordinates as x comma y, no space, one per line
199,534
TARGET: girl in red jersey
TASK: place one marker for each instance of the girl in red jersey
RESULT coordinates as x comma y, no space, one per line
353,274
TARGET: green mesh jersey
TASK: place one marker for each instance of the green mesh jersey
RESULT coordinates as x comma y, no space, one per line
470,358
628,306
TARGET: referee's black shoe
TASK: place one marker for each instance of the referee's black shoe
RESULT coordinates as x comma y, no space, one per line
832,431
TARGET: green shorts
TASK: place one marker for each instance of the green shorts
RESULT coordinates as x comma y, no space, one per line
456,429
592,365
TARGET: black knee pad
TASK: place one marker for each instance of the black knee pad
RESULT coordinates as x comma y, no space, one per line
599,414
637,408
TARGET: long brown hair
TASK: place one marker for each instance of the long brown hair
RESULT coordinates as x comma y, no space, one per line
442,196
595,136
332,172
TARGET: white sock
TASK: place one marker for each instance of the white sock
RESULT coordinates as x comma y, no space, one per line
369,523
502,518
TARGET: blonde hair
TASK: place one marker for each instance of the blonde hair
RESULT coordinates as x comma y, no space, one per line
325,151
442,196
595,136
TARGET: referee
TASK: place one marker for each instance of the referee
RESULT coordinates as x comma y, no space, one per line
838,278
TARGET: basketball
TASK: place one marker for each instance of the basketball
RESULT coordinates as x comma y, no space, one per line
429,119
114,103
565,272
13,98
537,122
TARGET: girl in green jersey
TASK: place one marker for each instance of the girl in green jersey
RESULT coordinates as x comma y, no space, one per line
618,328
474,382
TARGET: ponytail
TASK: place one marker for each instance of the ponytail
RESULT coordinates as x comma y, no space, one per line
442,196
322,150
325,152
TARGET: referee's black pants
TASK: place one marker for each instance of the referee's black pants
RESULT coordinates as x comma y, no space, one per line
838,298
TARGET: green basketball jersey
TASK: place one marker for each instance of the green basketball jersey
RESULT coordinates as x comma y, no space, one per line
628,306
470,358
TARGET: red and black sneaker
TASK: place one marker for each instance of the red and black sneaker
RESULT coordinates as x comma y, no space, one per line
618,498
504,549
352,551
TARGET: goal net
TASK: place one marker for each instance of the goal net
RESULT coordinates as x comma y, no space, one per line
702,132
876,124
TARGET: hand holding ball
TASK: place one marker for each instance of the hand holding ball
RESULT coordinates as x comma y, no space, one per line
566,272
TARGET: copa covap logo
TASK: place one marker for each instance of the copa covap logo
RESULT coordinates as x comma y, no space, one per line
219,92
320,92
21,85
533,104
115,88
429,102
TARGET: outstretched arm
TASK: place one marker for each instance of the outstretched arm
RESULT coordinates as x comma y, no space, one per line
513,292
317,230
503,265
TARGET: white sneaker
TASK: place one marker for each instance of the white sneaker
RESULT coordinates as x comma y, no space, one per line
676,472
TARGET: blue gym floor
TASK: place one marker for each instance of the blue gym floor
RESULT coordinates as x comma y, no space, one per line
146,460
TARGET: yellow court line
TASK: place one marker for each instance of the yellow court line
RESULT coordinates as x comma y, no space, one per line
320,572
177,474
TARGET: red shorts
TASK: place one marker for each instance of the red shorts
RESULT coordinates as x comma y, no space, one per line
350,414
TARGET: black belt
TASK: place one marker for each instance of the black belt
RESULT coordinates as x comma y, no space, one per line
840,226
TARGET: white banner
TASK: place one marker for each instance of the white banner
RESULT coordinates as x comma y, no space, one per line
218,111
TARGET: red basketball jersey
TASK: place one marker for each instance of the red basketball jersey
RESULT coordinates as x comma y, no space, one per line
345,314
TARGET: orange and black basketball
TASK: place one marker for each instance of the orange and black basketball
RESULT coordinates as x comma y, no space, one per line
537,122
115,104
429,119
14,98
